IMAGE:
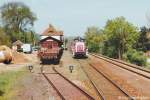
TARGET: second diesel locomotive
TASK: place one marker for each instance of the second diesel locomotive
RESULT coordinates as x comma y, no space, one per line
78,48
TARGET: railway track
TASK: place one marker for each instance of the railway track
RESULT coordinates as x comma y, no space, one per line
129,67
66,89
105,87
99,92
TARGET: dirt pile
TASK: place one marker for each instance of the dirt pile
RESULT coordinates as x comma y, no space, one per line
8,56
19,58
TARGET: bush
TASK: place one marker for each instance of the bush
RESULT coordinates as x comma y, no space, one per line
135,57
94,47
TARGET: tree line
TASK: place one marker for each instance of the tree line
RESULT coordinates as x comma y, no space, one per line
16,23
120,39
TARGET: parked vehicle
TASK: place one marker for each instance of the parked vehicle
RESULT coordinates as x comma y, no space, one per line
27,48
35,48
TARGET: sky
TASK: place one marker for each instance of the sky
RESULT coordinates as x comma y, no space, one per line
74,16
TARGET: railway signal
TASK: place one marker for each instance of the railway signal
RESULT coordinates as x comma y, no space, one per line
30,67
71,67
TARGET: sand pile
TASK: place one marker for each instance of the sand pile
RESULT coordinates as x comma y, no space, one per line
5,54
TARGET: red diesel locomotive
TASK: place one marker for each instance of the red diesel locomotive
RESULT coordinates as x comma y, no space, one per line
51,45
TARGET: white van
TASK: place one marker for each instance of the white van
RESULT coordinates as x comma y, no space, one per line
27,48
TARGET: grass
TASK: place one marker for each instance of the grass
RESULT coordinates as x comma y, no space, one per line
7,83
148,64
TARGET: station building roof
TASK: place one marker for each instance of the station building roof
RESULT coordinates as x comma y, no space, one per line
51,31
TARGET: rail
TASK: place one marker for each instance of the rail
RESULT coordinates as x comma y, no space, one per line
66,79
117,63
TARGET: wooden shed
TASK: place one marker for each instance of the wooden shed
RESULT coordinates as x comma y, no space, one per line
17,45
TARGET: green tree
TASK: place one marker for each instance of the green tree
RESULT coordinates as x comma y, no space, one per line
93,37
118,39
17,19
4,39
121,36
32,37
143,43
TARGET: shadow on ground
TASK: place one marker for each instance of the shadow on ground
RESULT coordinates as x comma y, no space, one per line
49,62
80,57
